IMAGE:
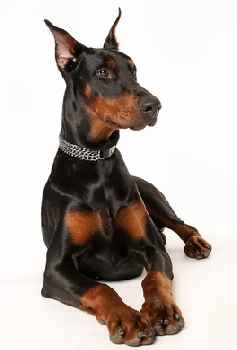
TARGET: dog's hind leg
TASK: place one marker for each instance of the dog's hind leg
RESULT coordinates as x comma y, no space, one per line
164,216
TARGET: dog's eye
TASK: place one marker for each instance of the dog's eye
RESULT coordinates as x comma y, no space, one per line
103,73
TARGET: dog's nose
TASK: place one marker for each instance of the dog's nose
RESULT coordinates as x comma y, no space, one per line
150,106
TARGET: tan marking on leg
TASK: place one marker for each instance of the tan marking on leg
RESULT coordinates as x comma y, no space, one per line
184,231
159,307
99,300
132,219
157,284
82,225
125,324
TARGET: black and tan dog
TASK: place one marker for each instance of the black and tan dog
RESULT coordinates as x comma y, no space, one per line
99,222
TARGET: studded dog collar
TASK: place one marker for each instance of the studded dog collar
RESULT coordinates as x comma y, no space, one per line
83,152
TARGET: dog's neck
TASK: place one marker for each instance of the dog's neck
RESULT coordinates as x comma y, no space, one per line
99,130
82,129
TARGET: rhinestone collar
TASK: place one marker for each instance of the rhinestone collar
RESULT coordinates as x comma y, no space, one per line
83,152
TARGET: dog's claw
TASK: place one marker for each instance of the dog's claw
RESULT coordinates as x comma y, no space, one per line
166,319
128,327
117,338
170,327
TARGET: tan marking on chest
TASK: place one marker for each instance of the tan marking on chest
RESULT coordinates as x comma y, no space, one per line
133,218
81,225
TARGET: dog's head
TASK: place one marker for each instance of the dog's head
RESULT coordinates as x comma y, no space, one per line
104,81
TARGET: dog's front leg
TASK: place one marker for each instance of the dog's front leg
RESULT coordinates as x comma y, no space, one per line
159,306
63,282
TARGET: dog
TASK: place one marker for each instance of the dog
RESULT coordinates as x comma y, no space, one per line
99,222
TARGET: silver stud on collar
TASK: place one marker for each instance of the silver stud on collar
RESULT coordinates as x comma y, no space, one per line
83,152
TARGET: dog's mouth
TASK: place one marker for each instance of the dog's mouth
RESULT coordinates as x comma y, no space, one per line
143,122
123,122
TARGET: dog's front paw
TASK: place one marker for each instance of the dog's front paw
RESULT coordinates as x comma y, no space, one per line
126,326
196,247
166,319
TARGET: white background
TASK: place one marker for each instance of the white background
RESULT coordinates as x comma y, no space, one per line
186,53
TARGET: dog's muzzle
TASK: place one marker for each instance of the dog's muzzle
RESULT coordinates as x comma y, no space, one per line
149,108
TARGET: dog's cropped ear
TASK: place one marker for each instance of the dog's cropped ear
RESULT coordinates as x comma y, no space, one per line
110,41
67,49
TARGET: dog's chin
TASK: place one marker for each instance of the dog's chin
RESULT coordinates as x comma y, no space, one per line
138,127
122,123
142,125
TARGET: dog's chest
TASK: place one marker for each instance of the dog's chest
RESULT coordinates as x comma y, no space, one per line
111,254
121,242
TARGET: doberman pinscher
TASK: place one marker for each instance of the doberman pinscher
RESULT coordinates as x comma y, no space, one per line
98,221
